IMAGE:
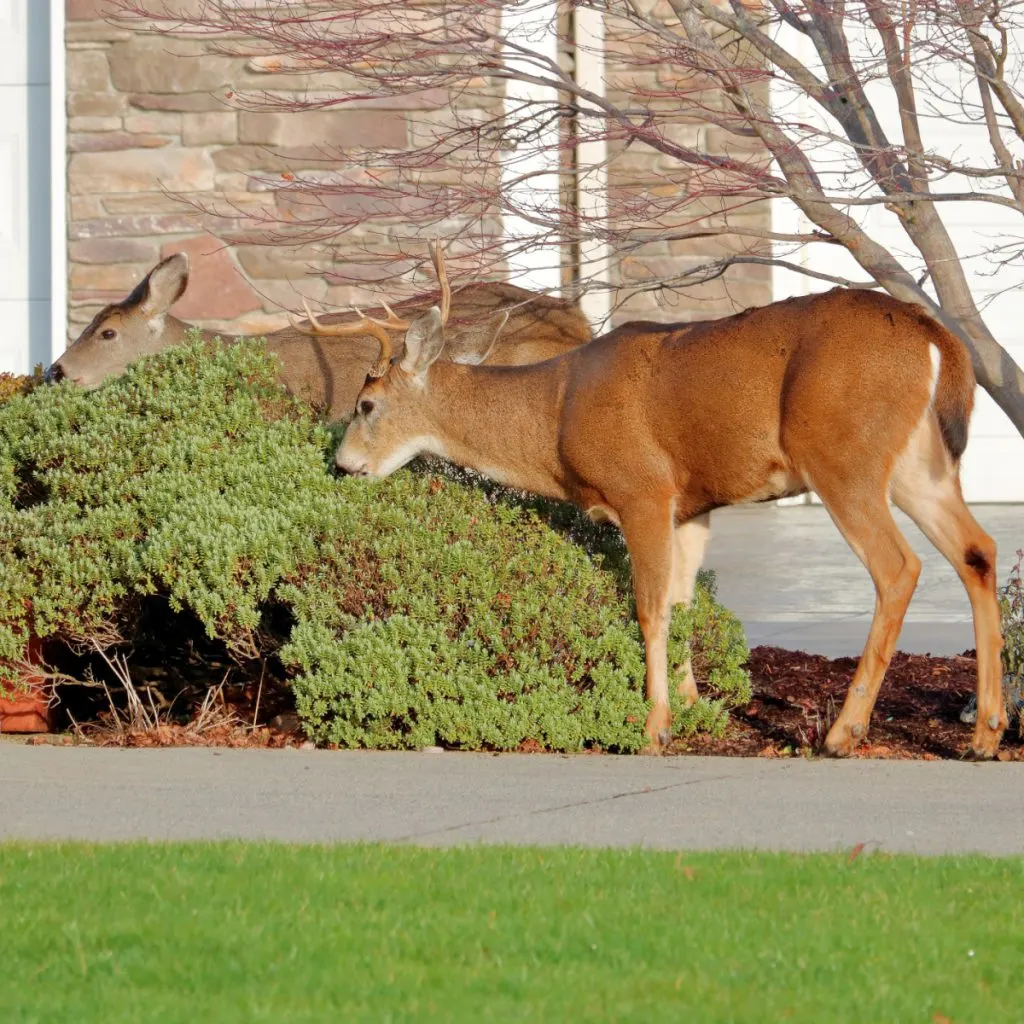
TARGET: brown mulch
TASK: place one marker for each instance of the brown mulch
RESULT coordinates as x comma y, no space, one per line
174,735
797,696
224,726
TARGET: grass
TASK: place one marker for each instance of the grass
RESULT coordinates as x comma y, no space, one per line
233,932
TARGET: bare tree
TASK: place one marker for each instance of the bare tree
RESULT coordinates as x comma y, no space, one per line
826,105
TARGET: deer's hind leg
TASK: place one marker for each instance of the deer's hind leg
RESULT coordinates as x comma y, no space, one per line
648,531
689,541
860,510
926,486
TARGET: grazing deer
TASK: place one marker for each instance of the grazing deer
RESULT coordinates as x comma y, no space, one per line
312,365
850,393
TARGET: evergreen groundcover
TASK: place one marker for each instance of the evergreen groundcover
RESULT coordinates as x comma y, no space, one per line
427,608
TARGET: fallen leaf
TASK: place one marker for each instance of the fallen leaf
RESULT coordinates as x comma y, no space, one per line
688,872
855,853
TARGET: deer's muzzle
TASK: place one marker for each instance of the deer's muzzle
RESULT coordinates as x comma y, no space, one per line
344,467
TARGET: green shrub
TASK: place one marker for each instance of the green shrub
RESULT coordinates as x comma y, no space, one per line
421,609
1011,607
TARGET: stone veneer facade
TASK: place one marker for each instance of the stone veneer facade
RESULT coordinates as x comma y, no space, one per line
150,115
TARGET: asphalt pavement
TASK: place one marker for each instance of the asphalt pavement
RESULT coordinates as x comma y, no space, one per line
437,799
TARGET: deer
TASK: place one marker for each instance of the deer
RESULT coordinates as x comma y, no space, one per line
849,393
312,364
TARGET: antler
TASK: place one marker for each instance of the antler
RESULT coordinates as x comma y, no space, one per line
437,258
364,325
379,328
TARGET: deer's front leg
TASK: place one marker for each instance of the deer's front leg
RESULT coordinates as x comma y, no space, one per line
690,542
648,534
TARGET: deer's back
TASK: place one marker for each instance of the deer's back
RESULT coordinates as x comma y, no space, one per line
331,371
745,402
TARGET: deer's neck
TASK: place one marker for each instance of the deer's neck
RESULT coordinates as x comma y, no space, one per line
501,421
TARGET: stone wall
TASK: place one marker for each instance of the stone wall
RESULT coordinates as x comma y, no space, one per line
162,159
641,172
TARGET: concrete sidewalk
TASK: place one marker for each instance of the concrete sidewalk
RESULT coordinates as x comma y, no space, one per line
794,582
441,799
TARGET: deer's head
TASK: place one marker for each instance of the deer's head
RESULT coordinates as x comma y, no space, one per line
393,422
127,330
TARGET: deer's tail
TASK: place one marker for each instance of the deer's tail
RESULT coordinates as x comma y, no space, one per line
954,390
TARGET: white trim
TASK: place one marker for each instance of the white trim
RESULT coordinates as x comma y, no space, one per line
58,181
591,163
532,26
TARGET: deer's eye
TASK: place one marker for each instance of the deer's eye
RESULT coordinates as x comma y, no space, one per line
366,407
107,334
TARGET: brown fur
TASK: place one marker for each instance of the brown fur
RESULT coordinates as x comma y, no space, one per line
654,426
329,371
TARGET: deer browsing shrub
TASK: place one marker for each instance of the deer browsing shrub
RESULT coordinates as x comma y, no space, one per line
422,609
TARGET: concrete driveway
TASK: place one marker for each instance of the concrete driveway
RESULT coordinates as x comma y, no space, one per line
304,796
794,582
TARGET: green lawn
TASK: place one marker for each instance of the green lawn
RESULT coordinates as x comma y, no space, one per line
231,932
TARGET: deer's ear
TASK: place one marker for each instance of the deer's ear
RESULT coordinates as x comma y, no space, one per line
479,342
162,286
423,342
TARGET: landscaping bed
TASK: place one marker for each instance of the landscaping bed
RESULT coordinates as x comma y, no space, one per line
176,555
175,546
796,697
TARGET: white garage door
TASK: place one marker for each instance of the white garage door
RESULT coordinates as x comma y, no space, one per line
25,182
993,466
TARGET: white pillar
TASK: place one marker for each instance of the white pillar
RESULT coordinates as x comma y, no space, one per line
591,166
533,25
58,182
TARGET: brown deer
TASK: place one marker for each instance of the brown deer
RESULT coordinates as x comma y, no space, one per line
853,394
313,365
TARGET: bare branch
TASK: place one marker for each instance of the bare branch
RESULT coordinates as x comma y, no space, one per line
715,268
990,68
898,65
697,120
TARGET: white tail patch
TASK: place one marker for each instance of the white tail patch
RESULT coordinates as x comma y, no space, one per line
936,358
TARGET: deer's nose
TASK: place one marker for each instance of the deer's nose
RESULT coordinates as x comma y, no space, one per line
344,468
55,374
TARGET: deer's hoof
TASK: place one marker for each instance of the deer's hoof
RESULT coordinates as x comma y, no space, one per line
658,744
985,742
842,739
658,729
987,733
